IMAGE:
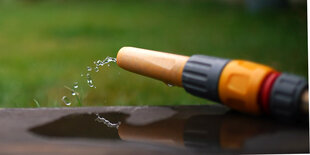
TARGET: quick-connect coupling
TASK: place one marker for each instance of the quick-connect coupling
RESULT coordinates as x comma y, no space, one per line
235,83
240,83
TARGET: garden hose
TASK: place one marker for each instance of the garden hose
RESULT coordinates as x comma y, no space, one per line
241,85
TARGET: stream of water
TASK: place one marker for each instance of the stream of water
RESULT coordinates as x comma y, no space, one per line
88,78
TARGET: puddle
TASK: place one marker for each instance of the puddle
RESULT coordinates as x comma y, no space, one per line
229,132
81,126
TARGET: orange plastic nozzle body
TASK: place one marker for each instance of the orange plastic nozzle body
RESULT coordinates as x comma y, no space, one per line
240,83
159,65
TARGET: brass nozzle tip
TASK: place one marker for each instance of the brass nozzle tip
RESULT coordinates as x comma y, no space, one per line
159,65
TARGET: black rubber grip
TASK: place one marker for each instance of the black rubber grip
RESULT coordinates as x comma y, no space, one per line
201,76
285,95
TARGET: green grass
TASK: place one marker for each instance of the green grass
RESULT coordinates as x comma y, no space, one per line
45,46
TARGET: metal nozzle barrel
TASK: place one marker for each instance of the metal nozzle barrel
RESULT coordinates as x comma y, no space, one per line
159,65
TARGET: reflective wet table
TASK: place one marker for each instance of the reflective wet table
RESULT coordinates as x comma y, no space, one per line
147,130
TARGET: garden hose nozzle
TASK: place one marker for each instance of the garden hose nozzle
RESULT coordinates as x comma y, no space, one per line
241,85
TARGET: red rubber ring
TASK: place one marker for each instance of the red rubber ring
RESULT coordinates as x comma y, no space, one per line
266,89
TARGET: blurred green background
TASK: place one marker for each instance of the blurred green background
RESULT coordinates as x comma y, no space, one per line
46,45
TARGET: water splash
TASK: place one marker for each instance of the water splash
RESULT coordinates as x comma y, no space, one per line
66,100
107,122
99,63
89,80
75,93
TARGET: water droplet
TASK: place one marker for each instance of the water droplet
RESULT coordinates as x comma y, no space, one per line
169,85
89,80
88,68
73,93
90,83
66,100
96,69
75,85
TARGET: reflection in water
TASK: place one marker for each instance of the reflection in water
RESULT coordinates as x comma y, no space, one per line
80,126
230,132
107,122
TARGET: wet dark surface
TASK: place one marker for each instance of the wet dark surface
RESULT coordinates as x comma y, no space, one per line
154,130
82,126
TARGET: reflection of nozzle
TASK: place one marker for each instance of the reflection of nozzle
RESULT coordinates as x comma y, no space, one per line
192,132
216,133
167,131
305,102
242,85
236,129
